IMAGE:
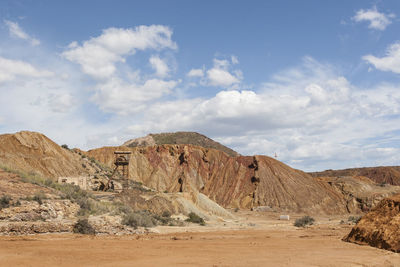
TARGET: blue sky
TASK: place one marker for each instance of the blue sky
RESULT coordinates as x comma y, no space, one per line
316,82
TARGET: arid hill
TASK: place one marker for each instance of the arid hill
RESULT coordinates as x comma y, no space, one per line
179,138
380,175
34,152
380,227
230,181
203,175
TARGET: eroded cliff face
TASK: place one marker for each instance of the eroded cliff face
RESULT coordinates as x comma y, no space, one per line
34,152
242,181
380,227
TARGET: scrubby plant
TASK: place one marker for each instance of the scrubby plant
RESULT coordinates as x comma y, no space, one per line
65,146
194,218
139,219
39,197
303,221
82,226
354,219
5,201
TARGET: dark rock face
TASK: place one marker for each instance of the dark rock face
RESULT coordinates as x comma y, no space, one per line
380,227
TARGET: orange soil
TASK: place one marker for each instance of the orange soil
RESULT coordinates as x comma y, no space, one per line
316,246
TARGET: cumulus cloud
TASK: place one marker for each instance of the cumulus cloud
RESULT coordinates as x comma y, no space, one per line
16,31
117,96
310,115
376,19
390,62
159,66
195,73
221,74
11,69
99,55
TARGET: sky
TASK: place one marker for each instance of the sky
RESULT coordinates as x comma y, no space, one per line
316,83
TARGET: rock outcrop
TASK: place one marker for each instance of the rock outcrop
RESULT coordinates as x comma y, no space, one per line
242,181
380,175
380,227
360,193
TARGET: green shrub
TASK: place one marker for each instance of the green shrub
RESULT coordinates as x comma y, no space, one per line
194,218
82,226
139,218
5,201
65,146
354,219
303,221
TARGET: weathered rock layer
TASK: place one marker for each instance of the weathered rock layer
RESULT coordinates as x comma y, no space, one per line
380,227
242,181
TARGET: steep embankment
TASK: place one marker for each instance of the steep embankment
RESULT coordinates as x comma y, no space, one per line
230,181
380,227
381,175
179,138
34,152
359,192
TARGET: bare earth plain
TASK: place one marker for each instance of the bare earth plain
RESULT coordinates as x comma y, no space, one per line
252,239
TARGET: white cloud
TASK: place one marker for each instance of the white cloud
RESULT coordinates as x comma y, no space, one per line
61,102
220,75
195,73
159,66
16,31
117,96
310,116
390,62
99,55
11,69
377,20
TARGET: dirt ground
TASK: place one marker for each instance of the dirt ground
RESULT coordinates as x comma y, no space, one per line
254,239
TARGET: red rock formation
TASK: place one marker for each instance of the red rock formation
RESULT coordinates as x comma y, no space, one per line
230,181
380,227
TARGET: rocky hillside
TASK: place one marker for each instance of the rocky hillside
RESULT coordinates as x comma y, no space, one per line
381,175
359,192
380,227
187,138
230,181
34,152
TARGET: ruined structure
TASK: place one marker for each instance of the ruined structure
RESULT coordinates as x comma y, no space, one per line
80,181
121,162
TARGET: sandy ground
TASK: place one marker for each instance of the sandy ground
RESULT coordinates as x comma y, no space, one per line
253,239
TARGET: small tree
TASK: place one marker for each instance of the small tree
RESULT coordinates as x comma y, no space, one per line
65,146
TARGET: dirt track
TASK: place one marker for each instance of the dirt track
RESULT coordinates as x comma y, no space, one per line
317,246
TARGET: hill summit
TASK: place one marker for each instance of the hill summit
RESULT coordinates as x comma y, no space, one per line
179,138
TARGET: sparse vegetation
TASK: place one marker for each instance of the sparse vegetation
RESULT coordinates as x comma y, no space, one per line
5,201
65,146
139,219
354,219
82,226
192,138
39,197
304,221
194,218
